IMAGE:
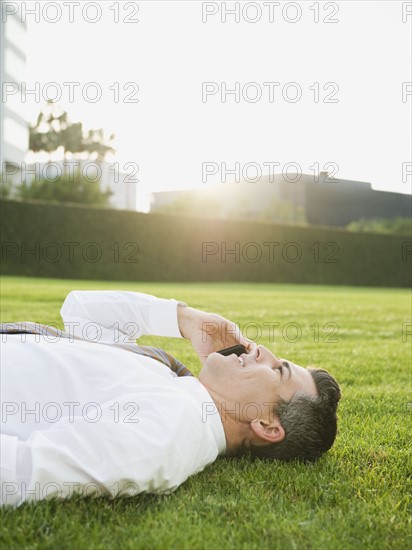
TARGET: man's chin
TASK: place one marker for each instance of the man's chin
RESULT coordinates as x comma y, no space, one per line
204,369
209,365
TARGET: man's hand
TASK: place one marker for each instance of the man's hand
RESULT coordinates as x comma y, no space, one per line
209,332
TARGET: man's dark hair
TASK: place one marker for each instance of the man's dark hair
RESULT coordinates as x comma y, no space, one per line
310,423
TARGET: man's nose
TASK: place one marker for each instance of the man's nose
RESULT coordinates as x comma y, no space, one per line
260,351
263,354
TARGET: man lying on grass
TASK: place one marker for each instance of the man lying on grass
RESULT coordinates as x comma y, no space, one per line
88,411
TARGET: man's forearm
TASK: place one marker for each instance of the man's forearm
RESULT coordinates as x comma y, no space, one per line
186,318
208,332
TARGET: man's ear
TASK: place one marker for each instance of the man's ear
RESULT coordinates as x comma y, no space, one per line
272,432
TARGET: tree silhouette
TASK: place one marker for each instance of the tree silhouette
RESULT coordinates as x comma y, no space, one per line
53,130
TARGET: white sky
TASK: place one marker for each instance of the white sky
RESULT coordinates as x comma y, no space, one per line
170,52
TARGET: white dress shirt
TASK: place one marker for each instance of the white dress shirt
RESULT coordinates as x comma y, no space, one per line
90,418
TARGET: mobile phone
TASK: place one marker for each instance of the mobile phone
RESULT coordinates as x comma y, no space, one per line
237,350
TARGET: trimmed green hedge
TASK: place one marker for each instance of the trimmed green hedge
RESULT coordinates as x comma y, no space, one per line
47,240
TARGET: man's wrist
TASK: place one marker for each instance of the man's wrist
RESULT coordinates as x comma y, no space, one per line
182,318
185,316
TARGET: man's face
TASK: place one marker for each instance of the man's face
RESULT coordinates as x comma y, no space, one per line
255,377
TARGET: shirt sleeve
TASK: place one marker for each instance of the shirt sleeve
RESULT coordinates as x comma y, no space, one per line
115,316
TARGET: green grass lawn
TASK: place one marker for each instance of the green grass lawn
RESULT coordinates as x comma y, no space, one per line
356,496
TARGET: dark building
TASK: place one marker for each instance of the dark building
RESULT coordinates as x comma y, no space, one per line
345,201
323,202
